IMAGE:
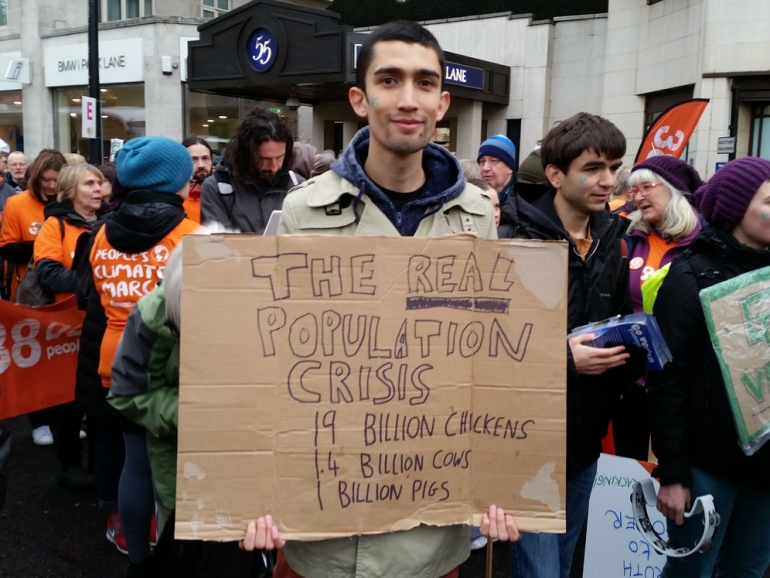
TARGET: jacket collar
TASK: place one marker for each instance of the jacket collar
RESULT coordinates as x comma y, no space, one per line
444,178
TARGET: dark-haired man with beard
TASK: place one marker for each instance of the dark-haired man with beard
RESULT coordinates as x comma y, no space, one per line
200,152
253,177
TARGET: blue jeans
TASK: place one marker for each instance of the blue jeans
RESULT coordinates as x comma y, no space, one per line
550,555
741,541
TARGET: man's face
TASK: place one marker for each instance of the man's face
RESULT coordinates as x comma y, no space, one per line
492,195
495,172
403,98
3,162
17,163
271,155
587,184
201,158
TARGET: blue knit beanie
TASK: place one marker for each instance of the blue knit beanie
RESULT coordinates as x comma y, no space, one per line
154,163
500,147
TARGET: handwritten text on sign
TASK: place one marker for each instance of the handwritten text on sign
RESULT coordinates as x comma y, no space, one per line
415,381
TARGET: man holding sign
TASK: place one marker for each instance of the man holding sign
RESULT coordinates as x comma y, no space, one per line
392,181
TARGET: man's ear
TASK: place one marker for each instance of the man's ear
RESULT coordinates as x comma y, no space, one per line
443,105
554,176
359,102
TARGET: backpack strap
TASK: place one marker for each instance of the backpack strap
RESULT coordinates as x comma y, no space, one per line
224,185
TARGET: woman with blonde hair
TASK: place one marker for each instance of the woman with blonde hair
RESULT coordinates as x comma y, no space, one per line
79,197
662,227
71,215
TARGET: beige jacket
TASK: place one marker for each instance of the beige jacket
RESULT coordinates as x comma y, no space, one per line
317,207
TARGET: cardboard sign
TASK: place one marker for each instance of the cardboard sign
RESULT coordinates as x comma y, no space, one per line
738,316
366,385
38,356
614,547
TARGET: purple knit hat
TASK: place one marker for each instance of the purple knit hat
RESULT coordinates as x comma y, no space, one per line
677,172
723,200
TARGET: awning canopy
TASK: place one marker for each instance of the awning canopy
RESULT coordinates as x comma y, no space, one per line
272,50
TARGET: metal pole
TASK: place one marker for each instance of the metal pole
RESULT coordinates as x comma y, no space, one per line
95,152
734,110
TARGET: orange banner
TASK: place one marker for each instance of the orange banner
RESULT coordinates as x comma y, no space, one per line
38,356
671,131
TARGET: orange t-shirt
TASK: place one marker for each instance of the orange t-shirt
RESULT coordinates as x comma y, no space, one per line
22,219
192,204
122,279
584,245
658,248
50,245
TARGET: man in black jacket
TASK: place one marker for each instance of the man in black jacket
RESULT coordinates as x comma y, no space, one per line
253,177
581,156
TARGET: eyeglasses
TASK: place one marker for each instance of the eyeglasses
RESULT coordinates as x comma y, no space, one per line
643,189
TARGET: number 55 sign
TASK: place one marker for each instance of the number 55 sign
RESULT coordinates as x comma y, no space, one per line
38,356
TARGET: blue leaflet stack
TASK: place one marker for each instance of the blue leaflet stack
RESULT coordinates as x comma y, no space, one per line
640,329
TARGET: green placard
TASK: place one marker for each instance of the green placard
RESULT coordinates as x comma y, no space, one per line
738,317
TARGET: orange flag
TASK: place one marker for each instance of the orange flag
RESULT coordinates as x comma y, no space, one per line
670,133
38,355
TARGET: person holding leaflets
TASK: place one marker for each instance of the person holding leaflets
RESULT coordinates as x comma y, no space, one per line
662,227
693,431
140,233
22,218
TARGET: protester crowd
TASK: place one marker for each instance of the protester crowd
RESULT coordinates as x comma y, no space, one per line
67,227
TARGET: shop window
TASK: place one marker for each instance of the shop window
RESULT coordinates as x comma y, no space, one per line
760,130
215,117
214,8
3,12
124,9
11,120
122,114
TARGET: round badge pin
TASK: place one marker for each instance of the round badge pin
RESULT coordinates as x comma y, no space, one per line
636,263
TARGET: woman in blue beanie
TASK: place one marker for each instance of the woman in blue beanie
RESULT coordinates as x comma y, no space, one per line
693,432
125,258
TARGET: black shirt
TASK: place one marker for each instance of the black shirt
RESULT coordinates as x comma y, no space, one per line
400,200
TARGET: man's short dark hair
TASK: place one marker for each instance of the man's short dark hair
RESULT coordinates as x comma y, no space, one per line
195,140
396,31
258,126
571,137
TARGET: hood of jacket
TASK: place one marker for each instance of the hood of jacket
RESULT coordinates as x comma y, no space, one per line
444,181
727,249
142,220
67,212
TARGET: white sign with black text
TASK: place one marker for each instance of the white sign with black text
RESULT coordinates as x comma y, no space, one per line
120,61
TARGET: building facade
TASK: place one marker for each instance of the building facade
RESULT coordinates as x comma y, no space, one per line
142,52
628,64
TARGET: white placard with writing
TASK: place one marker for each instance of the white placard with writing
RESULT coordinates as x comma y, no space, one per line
89,116
614,547
120,61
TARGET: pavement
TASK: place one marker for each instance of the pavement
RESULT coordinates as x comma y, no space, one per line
49,531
